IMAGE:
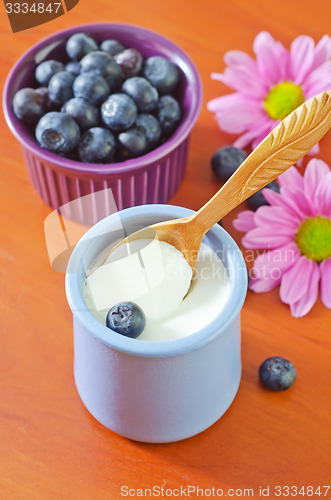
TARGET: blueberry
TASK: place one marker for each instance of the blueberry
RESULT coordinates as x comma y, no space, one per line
112,47
258,200
45,71
79,45
226,160
73,67
119,112
104,65
91,87
142,92
133,142
97,145
162,73
57,132
28,105
151,128
277,373
47,103
168,113
127,319
60,87
83,112
131,62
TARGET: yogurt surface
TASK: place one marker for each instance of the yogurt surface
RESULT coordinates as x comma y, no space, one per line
206,297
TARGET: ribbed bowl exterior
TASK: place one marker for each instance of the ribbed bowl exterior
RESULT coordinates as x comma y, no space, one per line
154,183
151,178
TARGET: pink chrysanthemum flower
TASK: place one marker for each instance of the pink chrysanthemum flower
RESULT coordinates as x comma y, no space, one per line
296,232
271,87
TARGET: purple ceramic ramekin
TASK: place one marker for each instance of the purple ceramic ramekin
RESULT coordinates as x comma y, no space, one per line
151,178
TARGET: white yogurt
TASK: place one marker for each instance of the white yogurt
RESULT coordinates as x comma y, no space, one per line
207,295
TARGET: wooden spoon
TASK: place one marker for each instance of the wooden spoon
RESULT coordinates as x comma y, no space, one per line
285,145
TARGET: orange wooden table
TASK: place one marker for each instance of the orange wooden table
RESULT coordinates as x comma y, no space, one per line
50,446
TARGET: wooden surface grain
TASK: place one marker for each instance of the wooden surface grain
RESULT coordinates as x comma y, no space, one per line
50,446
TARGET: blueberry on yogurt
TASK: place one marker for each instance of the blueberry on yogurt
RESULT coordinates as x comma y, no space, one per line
126,318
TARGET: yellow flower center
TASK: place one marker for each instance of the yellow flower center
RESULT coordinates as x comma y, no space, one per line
314,238
283,99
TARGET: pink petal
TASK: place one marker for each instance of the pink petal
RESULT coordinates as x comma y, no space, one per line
290,200
275,215
254,132
303,305
314,150
242,80
323,196
291,178
318,80
270,125
240,117
244,221
325,268
272,264
267,237
322,51
240,58
303,204
225,102
295,280
271,58
315,172
302,55
263,285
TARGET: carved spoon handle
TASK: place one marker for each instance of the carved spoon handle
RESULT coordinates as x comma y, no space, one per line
284,146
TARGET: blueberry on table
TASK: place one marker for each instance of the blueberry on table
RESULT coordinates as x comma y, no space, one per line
112,47
73,67
79,45
168,114
133,143
82,111
131,62
127,319
58,132
277,373
151,128
97,145
46,69
258,200
119,112
103,64
142,92
162,73
28,105
226,160
60,87
91,87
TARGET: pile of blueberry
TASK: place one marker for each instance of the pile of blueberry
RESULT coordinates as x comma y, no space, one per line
105,104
